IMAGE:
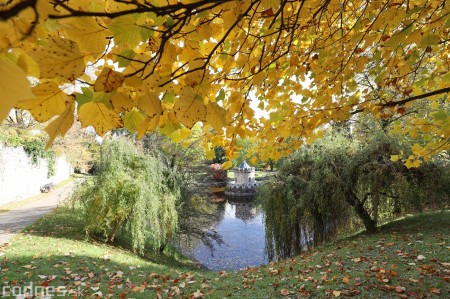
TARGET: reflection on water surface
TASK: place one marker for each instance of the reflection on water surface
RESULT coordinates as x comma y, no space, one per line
240,225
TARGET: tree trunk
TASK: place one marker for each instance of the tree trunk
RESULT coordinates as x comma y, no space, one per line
112,235
369,223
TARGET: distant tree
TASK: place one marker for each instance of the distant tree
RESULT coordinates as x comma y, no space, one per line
219,155
79,146
182,156
20,119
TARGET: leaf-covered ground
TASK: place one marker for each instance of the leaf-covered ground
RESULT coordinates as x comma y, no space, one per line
407,259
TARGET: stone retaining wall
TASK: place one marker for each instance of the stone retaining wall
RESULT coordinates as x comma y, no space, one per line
20,178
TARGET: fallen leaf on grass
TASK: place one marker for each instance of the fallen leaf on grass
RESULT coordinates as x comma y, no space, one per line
197,294
336,293
435,291
284,292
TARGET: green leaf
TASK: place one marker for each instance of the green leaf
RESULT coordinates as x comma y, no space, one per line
430,40
169,128
221,96
122,60
447,24
169,98
170,22
126,31
132,120
102,97
85,97
440,115
396,39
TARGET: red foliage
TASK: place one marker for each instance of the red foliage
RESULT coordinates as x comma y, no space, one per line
217,172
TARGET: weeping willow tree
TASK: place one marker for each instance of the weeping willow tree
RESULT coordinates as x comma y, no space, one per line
303,204
327,186
134,193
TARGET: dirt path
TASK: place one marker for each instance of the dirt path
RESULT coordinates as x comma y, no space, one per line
22,215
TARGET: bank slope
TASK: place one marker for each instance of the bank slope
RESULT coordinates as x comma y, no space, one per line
409,258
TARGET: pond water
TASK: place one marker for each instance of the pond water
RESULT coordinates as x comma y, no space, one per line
241,229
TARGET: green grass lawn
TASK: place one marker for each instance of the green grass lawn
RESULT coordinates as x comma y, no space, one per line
407,259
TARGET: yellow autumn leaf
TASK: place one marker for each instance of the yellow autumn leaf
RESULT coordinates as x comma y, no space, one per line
122,101
226,165
61,124
416,149
395,158
434,105
29,65
210,154
90,34
148,100
180,135
59,58
169,127
148,125
132,120
216,116
99,116
336,293
14,87
45,8
109,80
412,162
50,100
259,78
150,104
188,109
13,31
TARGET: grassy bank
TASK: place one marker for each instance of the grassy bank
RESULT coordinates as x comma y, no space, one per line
409,258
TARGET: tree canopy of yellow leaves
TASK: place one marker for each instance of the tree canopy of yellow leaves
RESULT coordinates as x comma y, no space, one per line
169,64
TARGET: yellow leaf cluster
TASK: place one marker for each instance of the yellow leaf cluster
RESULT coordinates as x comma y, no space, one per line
309,63
13,85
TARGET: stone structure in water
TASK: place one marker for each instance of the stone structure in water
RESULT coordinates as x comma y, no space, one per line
244,184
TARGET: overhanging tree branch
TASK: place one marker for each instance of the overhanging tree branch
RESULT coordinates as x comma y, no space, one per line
421,96
407,100
16,9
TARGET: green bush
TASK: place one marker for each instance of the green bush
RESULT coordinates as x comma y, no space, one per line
132,192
